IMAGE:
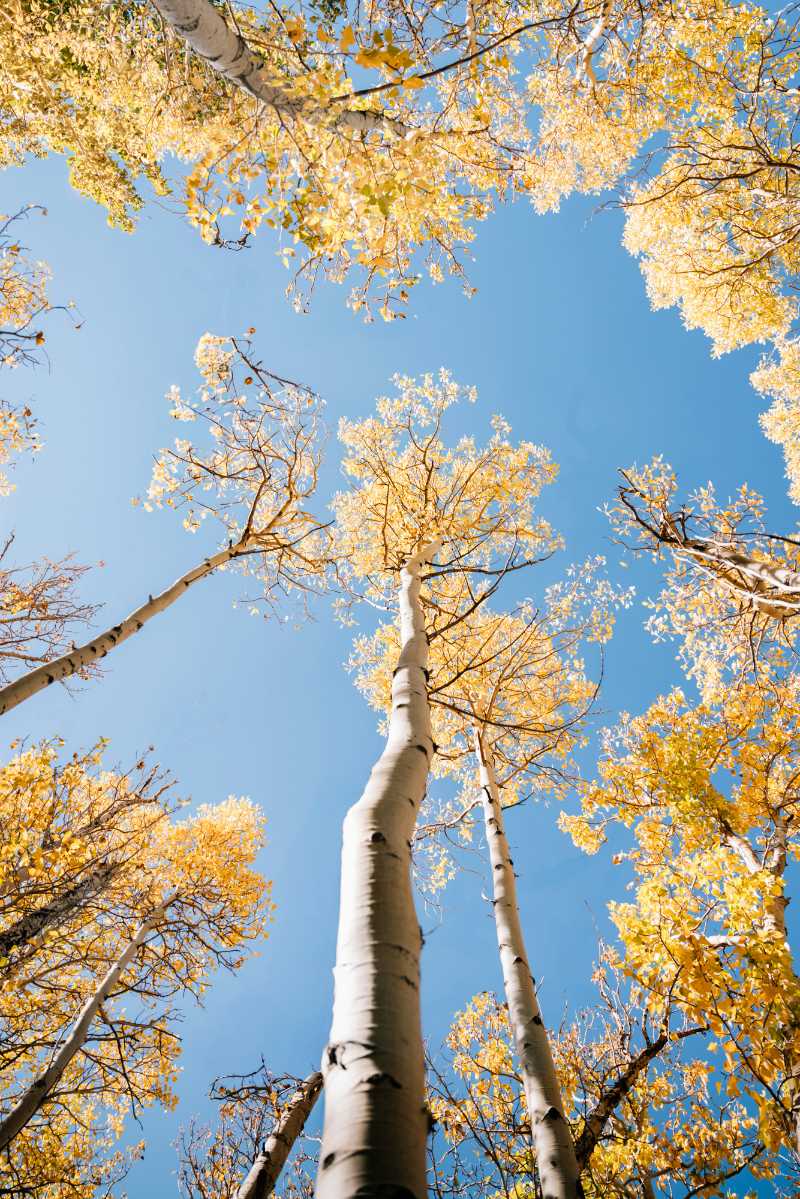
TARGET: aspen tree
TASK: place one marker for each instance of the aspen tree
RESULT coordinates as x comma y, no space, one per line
253,481
470,510
712,213
260,1127
510,688
640,1106
556,1163
119,92
31,1100
87,999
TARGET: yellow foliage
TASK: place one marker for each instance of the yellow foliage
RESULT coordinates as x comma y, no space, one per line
85,855
709,794
663,1124
120,95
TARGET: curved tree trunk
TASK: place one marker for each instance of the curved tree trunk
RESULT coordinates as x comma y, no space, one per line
266,1168
204,29
552,1140
376,1121
68,664
29,1103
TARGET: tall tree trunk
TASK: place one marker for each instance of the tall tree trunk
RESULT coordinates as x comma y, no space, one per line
68,664
266,1168
376,1121
552,1140
204,29
29,1103
51,915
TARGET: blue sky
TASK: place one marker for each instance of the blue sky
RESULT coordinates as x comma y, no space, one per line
560,339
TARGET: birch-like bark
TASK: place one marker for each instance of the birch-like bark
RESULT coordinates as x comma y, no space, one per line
205,30
773,590
29,1103
376,1120
266,1168
69,664
552,1141
51,915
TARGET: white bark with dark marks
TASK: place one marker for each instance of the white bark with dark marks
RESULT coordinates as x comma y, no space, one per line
773,590
84,655
29,1103
376,1120
205,30
266,1169
552,1140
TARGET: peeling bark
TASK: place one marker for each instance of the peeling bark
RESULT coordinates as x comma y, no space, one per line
376,1120
552,1140
69,664
204,29
266,1168
51,915
29,1103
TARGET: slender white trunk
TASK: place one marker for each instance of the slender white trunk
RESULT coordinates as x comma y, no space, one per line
552,1140
376,1121
68,664
266,1168
205,30
29,1103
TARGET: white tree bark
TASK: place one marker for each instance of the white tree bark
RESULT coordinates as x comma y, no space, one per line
68,664
266,1168
773,590
29,1103
205,30
376,1120
552,1141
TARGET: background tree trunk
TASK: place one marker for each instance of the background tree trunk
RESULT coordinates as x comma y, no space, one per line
552,1140
29,1103
266,1168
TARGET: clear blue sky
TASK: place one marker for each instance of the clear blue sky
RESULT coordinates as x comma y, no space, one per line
559,339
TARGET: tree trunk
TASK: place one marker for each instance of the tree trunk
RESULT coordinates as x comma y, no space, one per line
552,1140
376,1121
266,1168
204,29
51,915
68,664
29,1103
